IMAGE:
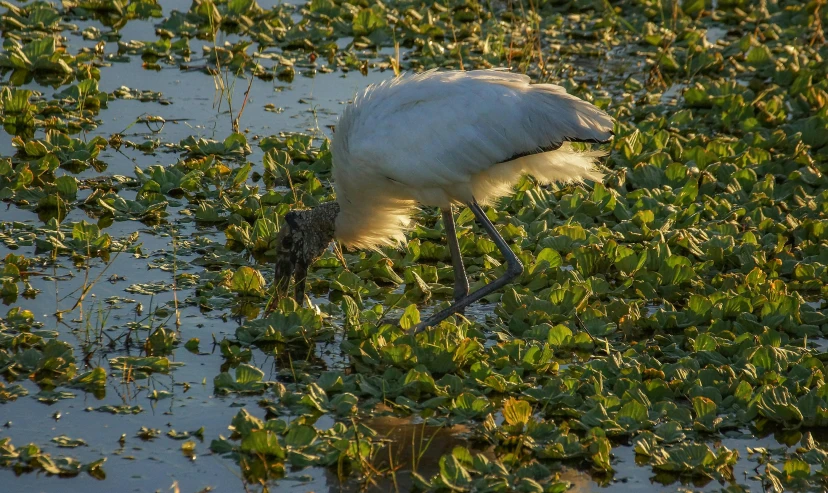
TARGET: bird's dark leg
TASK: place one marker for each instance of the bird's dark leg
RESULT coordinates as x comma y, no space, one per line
461,282
514,269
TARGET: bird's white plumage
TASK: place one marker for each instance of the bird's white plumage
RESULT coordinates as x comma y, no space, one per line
439,138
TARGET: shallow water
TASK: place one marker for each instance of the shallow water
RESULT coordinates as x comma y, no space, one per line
310,104
140,465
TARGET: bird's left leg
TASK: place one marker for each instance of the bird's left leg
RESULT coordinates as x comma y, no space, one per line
461,282
513,270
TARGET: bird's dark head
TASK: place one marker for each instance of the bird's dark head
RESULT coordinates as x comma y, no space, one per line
303,238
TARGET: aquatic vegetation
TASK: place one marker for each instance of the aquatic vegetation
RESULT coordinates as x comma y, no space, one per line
671,318
31,458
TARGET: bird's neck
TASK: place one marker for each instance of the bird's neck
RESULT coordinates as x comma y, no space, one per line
323,218
317,227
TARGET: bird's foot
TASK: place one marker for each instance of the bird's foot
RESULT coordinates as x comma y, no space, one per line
419,328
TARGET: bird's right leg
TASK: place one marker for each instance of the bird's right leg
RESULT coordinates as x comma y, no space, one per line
513,270
461,282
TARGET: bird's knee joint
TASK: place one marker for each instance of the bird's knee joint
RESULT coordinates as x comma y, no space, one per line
515,269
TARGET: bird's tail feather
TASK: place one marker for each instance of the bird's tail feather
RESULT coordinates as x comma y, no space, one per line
564,165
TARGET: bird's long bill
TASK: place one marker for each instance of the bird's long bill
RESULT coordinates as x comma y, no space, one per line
301,275
283,274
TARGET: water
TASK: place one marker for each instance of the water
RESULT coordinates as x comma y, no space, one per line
714,33
310,104
155,465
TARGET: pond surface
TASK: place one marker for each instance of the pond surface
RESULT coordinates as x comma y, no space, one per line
647,336
309,104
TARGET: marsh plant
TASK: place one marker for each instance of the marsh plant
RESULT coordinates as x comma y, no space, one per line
670,319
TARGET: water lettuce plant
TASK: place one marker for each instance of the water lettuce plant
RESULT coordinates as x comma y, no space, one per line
671,318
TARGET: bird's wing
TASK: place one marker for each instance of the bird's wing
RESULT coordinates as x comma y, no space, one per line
440,128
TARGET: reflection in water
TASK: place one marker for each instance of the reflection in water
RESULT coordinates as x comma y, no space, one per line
409,447
418,447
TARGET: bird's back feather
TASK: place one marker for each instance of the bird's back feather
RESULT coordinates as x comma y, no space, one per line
439,138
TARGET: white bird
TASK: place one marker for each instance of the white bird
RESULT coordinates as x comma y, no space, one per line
440,139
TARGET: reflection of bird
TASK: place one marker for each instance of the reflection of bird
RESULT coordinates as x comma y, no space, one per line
438,139
407,448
